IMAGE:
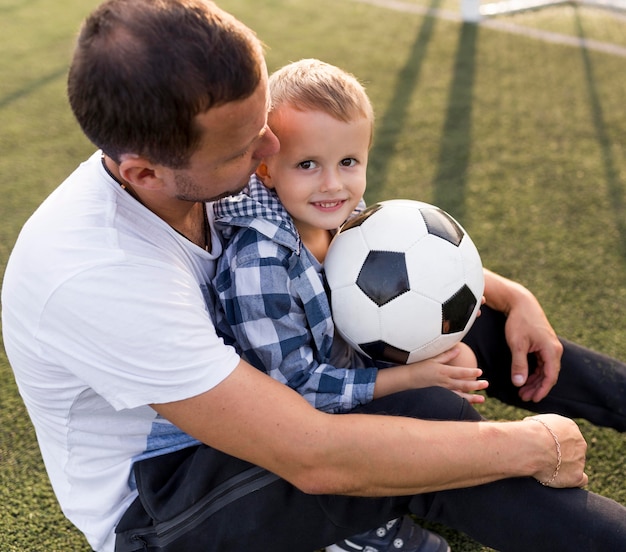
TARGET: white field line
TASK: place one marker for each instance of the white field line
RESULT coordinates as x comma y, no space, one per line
504,26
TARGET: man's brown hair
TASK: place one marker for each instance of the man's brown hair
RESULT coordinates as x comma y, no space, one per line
143,69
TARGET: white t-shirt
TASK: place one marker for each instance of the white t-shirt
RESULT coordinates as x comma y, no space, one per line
106,309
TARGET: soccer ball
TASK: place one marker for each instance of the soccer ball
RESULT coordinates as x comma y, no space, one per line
405,280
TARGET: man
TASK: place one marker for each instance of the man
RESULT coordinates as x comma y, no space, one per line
149,425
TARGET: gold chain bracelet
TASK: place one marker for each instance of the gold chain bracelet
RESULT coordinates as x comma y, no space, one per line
559,457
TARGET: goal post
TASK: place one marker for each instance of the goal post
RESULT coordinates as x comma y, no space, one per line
473,11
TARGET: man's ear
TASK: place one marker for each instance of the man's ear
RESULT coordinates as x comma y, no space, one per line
140,173
263,173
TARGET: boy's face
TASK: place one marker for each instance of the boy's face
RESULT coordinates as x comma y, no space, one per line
319,173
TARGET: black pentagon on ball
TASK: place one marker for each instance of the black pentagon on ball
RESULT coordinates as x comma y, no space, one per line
457,311
441,224
361,217
379,350
383,276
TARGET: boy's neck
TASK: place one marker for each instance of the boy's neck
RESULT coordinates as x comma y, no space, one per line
316,240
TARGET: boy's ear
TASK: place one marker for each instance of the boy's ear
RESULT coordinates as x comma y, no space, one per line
263,173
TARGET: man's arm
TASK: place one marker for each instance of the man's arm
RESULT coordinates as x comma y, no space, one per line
527,331
253,417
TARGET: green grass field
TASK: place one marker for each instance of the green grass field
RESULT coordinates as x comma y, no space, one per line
521,137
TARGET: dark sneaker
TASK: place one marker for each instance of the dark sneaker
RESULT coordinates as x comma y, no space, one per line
398,534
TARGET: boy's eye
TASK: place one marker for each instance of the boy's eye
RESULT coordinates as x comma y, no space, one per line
308,164
348,162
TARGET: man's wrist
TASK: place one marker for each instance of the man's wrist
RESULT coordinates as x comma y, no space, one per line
503,294
559,456
547,455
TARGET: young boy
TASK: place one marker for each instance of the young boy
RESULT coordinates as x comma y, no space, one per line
269,279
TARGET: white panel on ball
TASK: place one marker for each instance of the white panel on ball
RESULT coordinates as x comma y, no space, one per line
443,275
355,316
433,348
474,275
398,325
344,260
376,229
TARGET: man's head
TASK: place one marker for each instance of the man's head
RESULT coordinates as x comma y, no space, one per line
143,70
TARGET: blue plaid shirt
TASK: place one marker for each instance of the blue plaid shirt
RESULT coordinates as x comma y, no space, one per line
275,309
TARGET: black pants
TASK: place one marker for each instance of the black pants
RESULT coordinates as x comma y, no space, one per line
590,385
204,500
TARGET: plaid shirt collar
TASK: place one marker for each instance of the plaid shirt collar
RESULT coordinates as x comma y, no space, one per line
259,208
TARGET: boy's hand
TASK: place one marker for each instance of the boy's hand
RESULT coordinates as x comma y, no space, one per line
440,371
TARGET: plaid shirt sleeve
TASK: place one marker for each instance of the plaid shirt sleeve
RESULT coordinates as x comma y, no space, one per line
271,303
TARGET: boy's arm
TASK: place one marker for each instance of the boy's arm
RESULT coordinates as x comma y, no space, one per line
270,321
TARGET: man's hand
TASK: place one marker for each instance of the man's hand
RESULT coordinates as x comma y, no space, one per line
566,444
528,331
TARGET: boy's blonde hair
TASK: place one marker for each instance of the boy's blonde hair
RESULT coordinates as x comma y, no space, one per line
311,84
